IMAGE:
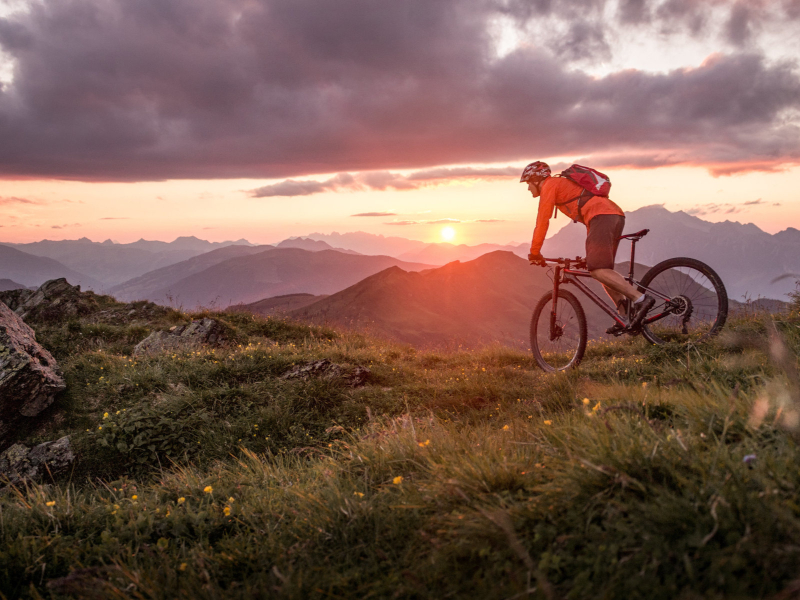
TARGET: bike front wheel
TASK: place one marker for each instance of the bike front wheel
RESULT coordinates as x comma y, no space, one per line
558,340
698,305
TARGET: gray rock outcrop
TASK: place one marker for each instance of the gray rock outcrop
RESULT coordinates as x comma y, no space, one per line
54,300
203,332
29,375
20,463
325,369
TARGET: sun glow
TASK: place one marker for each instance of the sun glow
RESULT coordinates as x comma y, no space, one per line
448,233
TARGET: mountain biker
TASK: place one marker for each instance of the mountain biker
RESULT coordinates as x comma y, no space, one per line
604,221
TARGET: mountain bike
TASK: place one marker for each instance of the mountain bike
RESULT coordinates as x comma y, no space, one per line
691,305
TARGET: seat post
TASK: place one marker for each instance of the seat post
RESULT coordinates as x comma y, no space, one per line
633,256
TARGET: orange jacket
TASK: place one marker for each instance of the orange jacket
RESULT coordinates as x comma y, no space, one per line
556,190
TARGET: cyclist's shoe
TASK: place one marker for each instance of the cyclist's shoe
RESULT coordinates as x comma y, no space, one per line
640,311
616,329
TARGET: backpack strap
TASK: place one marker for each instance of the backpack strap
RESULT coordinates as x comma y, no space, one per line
582,199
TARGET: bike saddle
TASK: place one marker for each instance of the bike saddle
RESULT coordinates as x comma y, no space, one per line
635,236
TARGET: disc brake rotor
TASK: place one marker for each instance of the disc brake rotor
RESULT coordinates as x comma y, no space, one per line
682,307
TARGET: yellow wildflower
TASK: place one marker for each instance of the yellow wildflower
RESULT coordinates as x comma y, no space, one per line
51,503
105,415
548,422
182,567
134,497
181,500
585,401
359,494
505,427
208,489
227,510
397,480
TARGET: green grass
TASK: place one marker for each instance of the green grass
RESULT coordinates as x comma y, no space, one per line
461,474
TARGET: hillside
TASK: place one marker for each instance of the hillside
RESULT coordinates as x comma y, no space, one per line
7,284
31,271
486,300
650,472
278,305
151,284
251,276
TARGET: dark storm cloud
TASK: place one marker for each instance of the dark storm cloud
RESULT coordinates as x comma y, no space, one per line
154,89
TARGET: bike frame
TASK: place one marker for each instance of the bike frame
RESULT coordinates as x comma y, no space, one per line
564,273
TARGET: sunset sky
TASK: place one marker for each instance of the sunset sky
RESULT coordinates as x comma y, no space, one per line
264,119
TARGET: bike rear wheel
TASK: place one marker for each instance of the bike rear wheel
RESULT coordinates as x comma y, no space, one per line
699,304
562,346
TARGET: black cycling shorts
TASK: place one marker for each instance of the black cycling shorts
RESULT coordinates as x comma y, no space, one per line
602,241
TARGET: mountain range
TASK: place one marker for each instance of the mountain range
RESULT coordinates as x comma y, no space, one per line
101,265
240,275
751,262
31,271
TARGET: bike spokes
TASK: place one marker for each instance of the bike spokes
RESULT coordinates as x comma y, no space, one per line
691,301
558,337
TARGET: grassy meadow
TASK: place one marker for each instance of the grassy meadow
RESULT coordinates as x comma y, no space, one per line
649,472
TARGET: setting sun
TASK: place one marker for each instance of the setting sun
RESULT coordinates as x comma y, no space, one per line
448,233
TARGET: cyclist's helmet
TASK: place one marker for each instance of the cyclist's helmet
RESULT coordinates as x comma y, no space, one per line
535,171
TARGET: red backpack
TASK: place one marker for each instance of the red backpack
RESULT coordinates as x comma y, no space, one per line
593,182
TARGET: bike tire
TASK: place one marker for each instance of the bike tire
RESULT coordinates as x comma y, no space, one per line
692,280
566,352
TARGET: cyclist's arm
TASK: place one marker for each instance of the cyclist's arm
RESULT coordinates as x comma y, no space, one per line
546,205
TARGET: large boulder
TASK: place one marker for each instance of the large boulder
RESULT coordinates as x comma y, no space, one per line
55,300
20,463
29,375
203,332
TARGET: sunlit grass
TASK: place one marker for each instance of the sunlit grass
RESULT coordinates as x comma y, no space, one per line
650,472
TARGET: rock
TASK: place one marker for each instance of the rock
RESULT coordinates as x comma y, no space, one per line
29,375
55,300
183,337
325,369
20,463
13,299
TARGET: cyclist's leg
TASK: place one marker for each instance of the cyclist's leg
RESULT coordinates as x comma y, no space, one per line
602,241
615,285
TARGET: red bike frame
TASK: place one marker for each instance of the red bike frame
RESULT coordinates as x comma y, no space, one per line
565,273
